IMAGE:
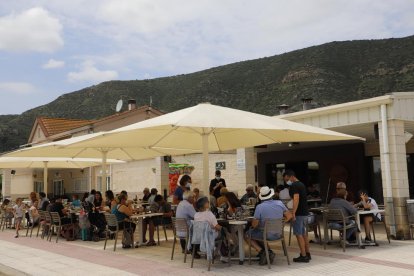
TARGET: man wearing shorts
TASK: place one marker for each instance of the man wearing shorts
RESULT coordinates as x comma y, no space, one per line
267,209
300,213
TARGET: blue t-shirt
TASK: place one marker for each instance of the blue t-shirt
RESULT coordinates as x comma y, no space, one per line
269,209
179,193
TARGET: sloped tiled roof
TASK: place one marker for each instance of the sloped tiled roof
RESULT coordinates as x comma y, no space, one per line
52,126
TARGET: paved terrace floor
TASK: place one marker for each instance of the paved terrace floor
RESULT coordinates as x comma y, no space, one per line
34,256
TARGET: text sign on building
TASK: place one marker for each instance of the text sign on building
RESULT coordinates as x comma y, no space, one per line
241,164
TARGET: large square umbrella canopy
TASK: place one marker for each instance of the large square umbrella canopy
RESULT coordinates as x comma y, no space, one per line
204,128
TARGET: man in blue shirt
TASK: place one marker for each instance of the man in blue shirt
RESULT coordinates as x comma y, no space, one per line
267,209
185,210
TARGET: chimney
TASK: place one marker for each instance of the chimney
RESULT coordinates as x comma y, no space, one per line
307,103
132,104
283,109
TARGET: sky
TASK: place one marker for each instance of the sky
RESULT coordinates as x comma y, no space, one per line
49,48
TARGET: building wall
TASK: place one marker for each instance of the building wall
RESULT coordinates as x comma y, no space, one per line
21,184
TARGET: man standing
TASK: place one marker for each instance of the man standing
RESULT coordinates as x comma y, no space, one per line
300,214
216,184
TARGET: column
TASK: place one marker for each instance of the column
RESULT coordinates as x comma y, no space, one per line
161,175
5,191
246,163
399,175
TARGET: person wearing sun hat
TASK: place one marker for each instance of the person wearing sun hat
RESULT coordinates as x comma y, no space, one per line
267,209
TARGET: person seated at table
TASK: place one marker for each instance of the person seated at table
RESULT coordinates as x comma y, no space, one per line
147,194
91,197
76,203
204,214
44,201
222,200
348,196
248,195
57,206
178,193
269,208
123,211
185,210
368,203
196,192
339,202
34,216
7,210
110,201
158,206
98,201
154,193
232,202
213,200
284,194
312,192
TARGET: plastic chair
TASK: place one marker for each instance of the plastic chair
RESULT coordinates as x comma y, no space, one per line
56,225
47,226
179,226
197,238
273,226
336,216
112,228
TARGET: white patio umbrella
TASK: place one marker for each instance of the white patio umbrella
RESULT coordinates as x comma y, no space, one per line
205,128
59,149
50,162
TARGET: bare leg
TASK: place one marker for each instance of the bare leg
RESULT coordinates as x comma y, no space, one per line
367,226
151,231
302,244
306,240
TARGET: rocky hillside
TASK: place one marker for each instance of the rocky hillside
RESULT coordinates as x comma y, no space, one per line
330,73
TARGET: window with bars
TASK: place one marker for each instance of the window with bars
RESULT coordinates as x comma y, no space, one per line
99,185
58,189
80,185
38,186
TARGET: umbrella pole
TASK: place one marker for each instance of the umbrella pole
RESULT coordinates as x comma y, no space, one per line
103,182
206,166
45,177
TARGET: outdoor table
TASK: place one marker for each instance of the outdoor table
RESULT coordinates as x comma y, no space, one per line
139,218
361,244
239,225
314,202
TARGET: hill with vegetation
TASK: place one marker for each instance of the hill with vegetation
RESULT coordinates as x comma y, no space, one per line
331,73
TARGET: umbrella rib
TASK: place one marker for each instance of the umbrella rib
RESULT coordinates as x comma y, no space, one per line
165,135
126,153
217,142
258,131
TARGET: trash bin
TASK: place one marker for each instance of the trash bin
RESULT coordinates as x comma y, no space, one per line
410,211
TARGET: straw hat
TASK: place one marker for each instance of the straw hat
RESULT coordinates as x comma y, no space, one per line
266,193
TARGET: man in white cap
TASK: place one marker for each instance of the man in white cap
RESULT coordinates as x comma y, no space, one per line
249,194
267,209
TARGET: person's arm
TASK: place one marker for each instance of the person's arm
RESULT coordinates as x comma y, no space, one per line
255,223
126,210
295,205
288,215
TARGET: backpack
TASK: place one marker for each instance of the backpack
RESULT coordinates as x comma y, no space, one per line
127,238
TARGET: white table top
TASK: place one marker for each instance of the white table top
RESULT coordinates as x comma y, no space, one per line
363,212
237,222
146,215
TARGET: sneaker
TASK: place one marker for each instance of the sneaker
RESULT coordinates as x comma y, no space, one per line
260,253
309,256
263,260
368,239
271,256
301,259
17,235
222,259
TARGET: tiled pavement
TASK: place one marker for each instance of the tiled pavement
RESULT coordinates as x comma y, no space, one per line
34,256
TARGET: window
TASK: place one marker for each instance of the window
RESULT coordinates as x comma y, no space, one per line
80,185
38,186
58,189
99,184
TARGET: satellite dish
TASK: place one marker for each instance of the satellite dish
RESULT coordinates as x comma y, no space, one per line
119,105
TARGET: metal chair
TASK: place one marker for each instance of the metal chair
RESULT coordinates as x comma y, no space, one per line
336,216
47,226
29,225
273,226
42,220
56,225
180,226
112,228
196,237
4,220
